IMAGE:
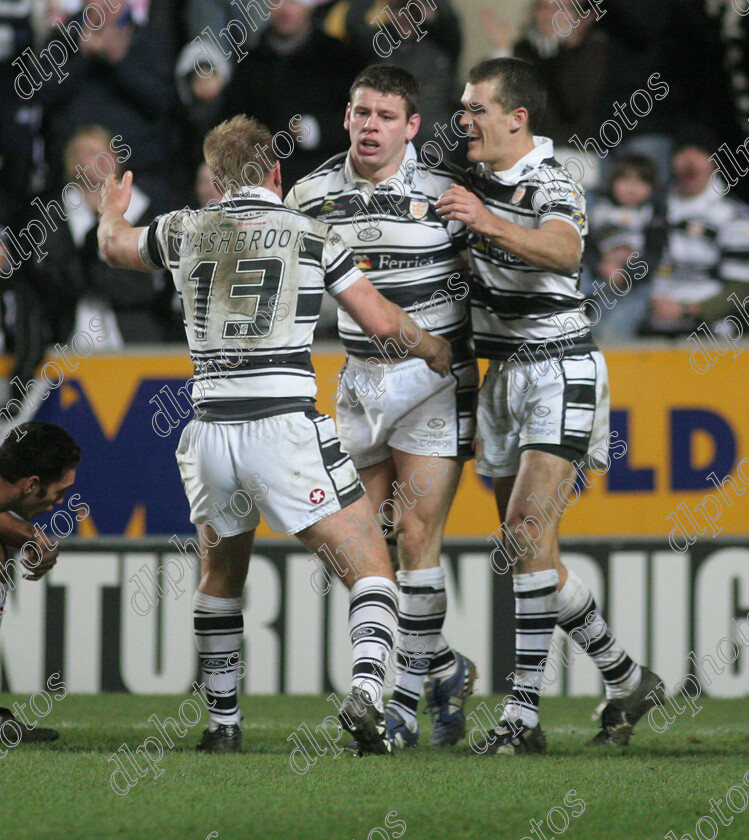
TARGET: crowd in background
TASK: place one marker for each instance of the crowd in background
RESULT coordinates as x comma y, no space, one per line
142,80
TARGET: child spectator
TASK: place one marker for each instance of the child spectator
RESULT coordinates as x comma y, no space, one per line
627,224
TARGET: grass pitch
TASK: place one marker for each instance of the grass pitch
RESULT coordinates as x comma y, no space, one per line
661,782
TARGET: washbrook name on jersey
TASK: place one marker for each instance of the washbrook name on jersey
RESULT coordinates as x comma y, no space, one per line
249,318
516,307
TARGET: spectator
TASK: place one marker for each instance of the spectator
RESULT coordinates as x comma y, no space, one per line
641,42
205,186
19,127
121,76
206,64
627,226
74,281
707,238
296,69
573,68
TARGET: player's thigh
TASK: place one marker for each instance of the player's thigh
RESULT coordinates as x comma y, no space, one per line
219,495
353,539
497,424
432,482
502,493
224,563
363,415
378,481
565,409
431,414
306,475
537,491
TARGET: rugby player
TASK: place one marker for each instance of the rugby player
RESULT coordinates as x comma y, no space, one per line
538,420
37,467
407,429
251,274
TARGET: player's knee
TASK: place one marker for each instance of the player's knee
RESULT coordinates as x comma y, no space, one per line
527,533
412,537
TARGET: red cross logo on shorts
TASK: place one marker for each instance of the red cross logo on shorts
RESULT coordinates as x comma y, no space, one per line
317,496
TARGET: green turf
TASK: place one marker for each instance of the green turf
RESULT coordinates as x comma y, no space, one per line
662,782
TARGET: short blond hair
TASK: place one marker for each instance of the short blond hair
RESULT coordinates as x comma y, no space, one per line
238,152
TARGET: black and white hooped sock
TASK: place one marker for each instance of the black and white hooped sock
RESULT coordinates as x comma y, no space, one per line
581,619
219,626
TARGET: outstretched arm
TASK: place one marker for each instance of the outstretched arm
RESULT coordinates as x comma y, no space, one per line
380,318
118,239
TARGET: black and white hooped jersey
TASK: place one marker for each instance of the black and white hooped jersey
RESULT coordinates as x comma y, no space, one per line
514,306
708,243
250,274
615,225
412,256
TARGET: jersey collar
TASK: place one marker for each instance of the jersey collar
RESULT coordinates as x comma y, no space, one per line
404,173
259,193
525,167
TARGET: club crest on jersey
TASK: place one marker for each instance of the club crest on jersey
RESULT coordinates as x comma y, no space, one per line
370,234
518,195
417,208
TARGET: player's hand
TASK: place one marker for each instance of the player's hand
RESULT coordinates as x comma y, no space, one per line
116,197
441,356
461,205
30,559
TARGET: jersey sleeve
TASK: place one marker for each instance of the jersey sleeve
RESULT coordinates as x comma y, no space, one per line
559,199
339,264
153,245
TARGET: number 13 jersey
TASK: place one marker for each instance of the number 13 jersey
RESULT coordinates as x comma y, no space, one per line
250,274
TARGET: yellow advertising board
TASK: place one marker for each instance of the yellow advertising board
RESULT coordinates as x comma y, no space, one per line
679,426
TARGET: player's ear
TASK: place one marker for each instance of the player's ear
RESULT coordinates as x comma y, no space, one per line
519,118
29,485
347,118
276,171
412,127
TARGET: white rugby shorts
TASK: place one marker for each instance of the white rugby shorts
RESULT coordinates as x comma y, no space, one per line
529,407
405,406
289,468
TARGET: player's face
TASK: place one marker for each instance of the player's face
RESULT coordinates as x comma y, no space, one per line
36,499
489,132
693,169
379,130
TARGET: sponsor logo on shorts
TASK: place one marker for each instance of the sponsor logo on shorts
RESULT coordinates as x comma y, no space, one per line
542,411
317,496
436,423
